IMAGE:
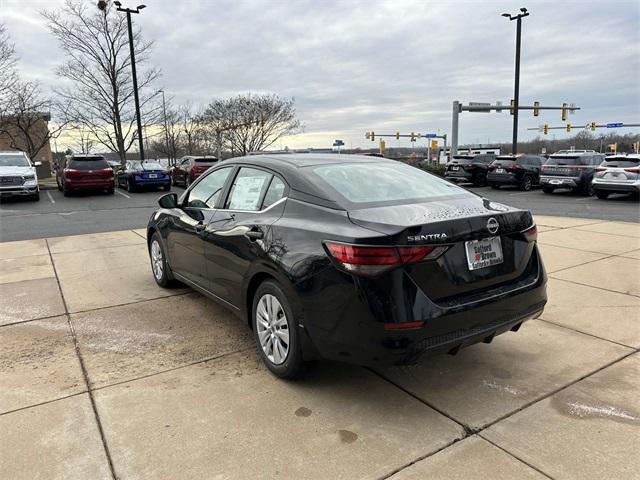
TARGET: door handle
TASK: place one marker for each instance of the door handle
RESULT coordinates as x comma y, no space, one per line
254,234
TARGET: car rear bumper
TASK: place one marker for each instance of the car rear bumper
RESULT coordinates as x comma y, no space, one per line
344,327
151,182
560,182
79,185
459,176
616,187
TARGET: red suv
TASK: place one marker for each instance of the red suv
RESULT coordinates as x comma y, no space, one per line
84,172
189,168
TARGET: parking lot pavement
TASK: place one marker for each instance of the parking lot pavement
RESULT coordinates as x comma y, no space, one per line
104,375
57,216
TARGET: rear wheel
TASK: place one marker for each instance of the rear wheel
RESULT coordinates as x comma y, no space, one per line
588,190
547,189
275,331
495,186
602,195
526,183
130,187
480,180
65,191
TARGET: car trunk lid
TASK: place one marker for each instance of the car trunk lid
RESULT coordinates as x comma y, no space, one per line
467,227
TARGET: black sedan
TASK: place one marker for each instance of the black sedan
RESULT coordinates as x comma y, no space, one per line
135,175
357,259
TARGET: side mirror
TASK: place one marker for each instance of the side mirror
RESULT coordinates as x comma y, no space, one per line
37,164
168,200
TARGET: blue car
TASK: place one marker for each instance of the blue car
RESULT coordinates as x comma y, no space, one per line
135,175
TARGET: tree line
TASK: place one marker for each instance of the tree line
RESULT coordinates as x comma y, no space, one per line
93,103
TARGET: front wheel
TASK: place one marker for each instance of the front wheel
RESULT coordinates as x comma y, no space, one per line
36,197
602,195
130,187
275,331
495,186
547,189
161,271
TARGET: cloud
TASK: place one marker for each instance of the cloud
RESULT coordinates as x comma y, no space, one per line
354,66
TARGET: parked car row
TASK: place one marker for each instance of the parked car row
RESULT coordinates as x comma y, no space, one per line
582,171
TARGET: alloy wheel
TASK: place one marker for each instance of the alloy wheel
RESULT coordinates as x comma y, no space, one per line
156,260
273,329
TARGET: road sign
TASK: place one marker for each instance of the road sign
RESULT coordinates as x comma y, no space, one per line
430,135
481,104
615,125
338,143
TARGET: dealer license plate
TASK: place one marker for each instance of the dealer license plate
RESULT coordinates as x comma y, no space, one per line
455,168
483,253
499,170
153,175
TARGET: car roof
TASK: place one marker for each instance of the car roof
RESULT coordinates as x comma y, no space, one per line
298,160
12,152
620,156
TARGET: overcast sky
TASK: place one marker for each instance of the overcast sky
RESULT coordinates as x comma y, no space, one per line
354,66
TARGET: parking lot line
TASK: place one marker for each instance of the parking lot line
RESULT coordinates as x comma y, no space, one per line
123,194
50,197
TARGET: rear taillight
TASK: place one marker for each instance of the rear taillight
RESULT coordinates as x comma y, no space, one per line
372,261
70,172
632,170
601,169
531,233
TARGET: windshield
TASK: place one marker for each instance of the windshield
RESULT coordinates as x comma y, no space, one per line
463,159
206,160
146,166
563,160
621,162
382,183
87,163
14,161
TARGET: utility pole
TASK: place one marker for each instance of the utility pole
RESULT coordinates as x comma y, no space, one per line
516,89
136,99
454,128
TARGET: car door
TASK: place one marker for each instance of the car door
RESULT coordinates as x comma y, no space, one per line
238,235
185,238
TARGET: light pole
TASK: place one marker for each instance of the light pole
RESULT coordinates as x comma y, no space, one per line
166,131
516,91
129,11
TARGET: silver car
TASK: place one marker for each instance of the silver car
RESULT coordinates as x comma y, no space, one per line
18,176
617,174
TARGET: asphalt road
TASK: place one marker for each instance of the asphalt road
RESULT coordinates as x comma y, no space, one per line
56,215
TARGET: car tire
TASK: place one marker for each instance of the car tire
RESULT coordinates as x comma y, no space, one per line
602,195
547,189
159,267
36,197
274,324
111,191
59,186
526,184
588,190
495,186
130,187
65,192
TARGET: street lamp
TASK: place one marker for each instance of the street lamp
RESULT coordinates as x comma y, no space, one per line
129,11
516,94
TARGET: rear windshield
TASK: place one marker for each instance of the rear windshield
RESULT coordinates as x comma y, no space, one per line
82,163
205,160
14,161
376,184
504,160
463,159
565,160
621,162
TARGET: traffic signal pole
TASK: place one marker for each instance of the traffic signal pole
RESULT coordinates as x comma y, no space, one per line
516,88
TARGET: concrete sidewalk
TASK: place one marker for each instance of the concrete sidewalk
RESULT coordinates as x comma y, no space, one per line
109,376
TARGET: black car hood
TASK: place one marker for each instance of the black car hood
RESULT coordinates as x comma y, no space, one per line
443,215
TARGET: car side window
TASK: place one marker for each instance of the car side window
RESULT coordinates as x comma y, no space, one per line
205,193
274,193
247,189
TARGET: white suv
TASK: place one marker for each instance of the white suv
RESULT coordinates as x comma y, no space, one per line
18,176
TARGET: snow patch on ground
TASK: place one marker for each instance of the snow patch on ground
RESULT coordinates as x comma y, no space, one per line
581,410
501,388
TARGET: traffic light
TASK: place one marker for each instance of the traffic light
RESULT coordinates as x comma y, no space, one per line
373,136
545,128
382,146
397,135
564,112
513,106
593,126
536,109
568,127
413,137
614,147
434,144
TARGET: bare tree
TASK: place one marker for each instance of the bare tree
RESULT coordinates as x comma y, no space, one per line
25,125
8,60
252,122
98,66
84,139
